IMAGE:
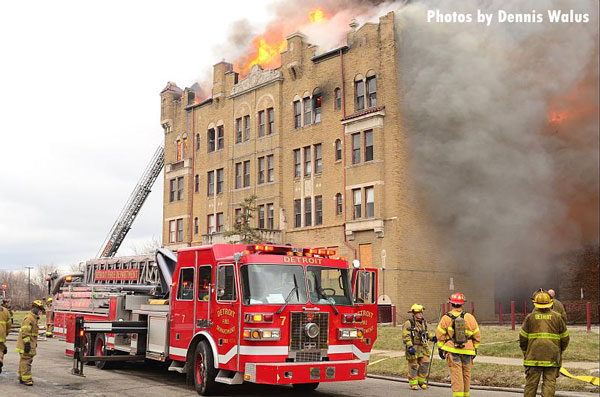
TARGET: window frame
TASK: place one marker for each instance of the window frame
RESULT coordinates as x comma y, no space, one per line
198,280
371,96
297,163
219,226
235,279
270,168
196,183
356,204
359,99
246,173
172,190
270,121
180,188
368,204
211,226
211,138
307,110
297,213
247,127
297,105
261,124
339,204
179,284
179,237
220,180
356,155
261,216
238,130
317,107
338,150
318,210
261,170
337,95
307,153
271,216
210,183
172,231
308,211
220,137
369,148
318,156
238,175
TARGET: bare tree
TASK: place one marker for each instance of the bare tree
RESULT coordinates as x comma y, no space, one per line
146,248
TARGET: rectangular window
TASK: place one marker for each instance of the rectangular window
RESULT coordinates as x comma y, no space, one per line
172,232
220,137
355,148
212,140
261,216
238,216
297,213
204,280
179,229
318,159
339,204
172,189
317,100
185,288
196,183
261,170
180,188
297,164
297,115
338,98
307,111
246,128
238,130
307,211
372,91
226,283
357,203
210,224
197,141
369,202
307,161
270,216
318,210
210,183
246,173
270,168
220,180
196,225
368,145
238,175
219,222
261,123
271,118
359,89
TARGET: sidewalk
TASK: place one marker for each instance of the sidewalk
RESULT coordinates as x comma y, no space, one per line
496,360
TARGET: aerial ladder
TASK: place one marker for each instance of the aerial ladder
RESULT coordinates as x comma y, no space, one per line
123,223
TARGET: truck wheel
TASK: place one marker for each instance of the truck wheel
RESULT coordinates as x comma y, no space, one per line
306,387
88,347
204,369
100,350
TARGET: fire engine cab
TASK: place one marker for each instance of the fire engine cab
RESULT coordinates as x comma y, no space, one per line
226,313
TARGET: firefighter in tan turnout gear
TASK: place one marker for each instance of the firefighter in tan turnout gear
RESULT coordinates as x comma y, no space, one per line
49,318
416,337
543,339
27,342
458,339
5,325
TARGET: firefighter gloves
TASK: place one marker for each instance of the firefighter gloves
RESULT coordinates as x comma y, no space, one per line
442,354
411,350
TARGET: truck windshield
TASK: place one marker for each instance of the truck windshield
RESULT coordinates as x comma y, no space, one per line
327,284
271,284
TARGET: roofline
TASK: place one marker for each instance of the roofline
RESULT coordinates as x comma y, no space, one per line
330,54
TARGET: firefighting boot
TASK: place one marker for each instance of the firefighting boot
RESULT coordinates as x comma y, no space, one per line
414,387
423,386
26,382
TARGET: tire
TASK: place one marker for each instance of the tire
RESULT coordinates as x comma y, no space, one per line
88,346
306,387
203,369
100,350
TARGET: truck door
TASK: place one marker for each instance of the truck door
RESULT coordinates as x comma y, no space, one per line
182,311
225,315
205,298
365,299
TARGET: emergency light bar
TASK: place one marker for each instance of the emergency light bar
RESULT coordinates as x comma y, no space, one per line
291,251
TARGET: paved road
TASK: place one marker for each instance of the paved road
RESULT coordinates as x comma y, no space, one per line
52,377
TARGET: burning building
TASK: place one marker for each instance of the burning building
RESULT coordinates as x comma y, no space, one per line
320,141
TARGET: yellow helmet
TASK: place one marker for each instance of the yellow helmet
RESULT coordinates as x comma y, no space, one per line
49,300
542,299
37,303
416,308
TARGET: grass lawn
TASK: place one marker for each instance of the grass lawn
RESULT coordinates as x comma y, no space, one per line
482,374
20,315
583,346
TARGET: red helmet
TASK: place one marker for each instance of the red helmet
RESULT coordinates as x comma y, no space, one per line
457,298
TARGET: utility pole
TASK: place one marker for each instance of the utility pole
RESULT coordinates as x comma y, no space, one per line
29,282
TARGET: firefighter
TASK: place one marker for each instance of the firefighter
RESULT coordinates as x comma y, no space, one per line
543,339
458,339
416,337
5,326
49,318
557,305
27,342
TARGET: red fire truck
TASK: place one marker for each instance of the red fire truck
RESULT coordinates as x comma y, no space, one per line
226,313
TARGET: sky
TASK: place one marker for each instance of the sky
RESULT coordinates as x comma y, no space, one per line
80,114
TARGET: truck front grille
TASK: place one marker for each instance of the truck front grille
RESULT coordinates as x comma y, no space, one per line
302,347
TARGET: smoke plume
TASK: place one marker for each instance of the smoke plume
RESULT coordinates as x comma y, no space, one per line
502,131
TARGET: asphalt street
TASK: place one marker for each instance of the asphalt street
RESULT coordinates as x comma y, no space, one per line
52,377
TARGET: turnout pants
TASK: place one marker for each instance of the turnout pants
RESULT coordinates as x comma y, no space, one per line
25,367
532,379
2,347
460,373
417,370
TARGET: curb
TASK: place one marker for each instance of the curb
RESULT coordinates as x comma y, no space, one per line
487,388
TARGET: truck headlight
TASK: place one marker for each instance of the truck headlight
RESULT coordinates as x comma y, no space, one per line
260,334
350,333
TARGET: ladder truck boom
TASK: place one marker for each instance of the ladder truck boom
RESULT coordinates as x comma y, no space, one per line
129,212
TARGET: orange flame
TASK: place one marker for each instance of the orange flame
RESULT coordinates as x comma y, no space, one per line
266,49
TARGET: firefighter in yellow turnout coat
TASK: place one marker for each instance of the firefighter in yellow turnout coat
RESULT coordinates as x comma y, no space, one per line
27,342
416,337
458,339
49,318
543,339
5,325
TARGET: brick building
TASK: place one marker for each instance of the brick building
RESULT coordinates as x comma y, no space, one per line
321,143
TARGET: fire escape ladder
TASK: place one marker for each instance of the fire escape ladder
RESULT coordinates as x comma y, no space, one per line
141,191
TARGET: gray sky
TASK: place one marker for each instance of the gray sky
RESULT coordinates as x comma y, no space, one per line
80,114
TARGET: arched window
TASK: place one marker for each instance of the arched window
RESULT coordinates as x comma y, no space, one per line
338,150
178,150
371,89
337,95
359,93
184,147
339,207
